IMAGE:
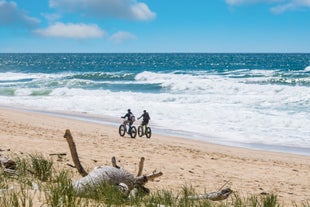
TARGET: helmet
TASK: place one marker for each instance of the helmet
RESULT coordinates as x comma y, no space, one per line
144,111
128,110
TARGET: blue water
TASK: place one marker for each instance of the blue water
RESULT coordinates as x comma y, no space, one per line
259,101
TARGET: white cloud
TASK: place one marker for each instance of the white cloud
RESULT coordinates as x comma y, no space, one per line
120,37
291,5
11,15
278,6
126,9
76,31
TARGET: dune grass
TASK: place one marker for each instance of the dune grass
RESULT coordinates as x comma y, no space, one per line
37,183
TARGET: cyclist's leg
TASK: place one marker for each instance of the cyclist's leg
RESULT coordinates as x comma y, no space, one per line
144,126
127,125
130,125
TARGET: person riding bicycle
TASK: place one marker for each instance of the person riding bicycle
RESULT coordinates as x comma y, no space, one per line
146,118
130,118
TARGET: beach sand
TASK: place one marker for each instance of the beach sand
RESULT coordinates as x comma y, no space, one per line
204,166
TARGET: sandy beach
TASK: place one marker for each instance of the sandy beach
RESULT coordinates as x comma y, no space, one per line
206,167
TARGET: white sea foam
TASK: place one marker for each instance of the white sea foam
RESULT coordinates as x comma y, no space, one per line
211,107
9,76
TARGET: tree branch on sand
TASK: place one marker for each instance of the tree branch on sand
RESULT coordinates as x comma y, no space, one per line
213,196
113,175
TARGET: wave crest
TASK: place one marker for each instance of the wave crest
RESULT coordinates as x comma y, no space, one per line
178,82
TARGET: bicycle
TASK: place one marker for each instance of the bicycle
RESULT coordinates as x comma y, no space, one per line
132,131
146,131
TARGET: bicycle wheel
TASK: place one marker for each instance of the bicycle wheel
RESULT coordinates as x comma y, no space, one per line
140,131
148,132
133,132
122,130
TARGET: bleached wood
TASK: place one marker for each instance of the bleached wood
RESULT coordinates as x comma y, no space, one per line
113,175
141,165
214,196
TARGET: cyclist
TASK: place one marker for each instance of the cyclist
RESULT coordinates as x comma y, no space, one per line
130,118
146,118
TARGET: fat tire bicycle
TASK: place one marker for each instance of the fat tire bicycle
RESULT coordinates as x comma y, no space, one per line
132,131
147,131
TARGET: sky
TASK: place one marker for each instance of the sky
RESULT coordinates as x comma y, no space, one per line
108,26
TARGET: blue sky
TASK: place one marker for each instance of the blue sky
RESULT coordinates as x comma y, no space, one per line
154,26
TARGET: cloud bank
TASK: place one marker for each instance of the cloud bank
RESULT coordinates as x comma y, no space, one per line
76,31
124,9
10,14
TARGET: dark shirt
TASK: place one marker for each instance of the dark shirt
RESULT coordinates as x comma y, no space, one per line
146,116
129,116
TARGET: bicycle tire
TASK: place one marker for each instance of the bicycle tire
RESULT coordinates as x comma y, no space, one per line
148,132
122,130
140,131
133,132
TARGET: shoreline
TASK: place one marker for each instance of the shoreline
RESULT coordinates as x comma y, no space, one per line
112,121
204,166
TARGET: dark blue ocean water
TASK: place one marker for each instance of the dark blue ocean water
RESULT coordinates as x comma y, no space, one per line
248,100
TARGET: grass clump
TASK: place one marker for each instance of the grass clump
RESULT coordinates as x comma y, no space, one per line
37,165
60,192
41,167
38,184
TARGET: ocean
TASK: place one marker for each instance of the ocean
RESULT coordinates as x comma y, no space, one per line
256,101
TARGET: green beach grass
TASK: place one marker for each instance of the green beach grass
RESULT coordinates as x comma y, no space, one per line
38,183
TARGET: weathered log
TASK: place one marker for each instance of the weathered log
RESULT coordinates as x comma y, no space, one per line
214,196
108,174
154,175
113,175
74,154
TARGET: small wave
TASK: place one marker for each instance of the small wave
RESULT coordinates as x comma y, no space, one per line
10,77
179,82
41,92
7,92
101,76
307,69
291,81
17,80
24,92
281,81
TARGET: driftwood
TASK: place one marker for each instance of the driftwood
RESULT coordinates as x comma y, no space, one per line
113,175
127,182
214,196
74,154
58,154
7,163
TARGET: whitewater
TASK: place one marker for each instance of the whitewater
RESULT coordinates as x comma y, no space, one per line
257,101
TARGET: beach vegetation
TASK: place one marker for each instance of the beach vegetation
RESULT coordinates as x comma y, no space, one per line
39,183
